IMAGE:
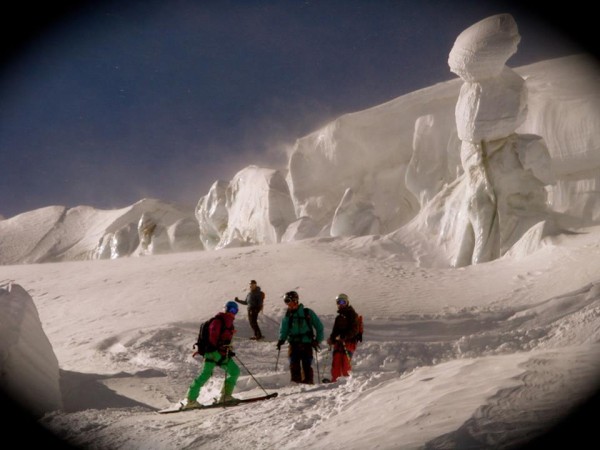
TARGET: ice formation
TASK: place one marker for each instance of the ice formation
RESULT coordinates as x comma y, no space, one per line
469,164
254,208
502,191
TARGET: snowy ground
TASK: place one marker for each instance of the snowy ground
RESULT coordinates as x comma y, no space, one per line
485,356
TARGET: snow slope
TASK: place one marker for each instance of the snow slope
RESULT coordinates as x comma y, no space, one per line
450,355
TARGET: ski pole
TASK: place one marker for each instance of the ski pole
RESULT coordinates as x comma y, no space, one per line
346,350
317,359
250,373
327,355
348,355
277,360
325,364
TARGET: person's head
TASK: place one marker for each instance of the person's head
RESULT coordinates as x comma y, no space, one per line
291,299
342,301
231,307
252,285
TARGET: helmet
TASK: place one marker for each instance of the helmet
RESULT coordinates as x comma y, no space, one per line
342,299
231,307
291,296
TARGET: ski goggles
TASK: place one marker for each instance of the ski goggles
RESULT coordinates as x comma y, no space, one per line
341,301
289,300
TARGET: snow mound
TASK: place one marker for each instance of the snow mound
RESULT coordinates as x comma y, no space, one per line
28,366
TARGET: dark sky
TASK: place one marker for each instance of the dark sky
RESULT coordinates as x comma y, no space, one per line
112,101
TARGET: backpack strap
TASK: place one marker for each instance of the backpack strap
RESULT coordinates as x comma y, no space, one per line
311,332
294,316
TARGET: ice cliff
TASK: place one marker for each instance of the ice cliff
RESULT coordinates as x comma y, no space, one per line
469,165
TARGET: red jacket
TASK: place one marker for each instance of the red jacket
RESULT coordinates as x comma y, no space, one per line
221,331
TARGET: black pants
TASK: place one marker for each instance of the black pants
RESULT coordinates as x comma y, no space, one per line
301,356
253,319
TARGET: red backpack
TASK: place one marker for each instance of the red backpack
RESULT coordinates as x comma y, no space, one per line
359,335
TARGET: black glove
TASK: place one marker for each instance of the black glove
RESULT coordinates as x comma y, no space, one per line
315,345
359,337
225,349
231,354
279,344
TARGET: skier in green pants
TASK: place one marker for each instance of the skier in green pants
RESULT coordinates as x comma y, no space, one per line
221,331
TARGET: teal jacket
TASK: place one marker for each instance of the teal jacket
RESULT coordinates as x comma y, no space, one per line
294,326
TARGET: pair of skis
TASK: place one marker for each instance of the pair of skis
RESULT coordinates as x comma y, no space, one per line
180,407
